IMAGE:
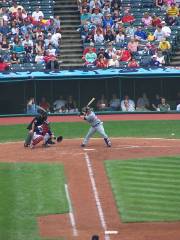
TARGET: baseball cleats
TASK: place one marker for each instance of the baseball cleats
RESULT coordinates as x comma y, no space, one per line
31,146
83,145
26,145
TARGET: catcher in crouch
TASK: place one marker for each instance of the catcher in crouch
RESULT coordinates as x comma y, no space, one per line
96,126
43,133
36,122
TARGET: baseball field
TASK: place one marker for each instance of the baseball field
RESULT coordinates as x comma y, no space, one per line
129,191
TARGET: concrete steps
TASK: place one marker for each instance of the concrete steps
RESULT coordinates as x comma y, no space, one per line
175,59
71,45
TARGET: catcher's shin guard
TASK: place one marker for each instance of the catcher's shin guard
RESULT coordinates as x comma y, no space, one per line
28,139
37,140
108,142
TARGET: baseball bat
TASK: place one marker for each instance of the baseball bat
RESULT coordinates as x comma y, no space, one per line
91,101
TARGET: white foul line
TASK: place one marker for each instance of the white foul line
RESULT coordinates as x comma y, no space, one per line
71,215
96,195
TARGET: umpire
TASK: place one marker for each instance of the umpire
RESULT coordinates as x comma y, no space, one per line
36,121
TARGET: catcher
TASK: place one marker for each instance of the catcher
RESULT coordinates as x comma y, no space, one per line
96,126
33,126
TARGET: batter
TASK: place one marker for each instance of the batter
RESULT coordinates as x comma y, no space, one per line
96,126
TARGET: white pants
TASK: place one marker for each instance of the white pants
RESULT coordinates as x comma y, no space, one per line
99,128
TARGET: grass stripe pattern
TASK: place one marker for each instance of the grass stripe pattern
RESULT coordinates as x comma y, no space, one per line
146,189
27,191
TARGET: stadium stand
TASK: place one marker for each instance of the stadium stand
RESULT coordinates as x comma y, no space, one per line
27,29
140,27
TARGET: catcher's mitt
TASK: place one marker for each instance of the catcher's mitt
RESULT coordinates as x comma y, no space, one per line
59,138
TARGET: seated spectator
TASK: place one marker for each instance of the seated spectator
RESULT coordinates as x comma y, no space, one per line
51,62
163,106
160,58
85,16
107,21
172,15
146,20
119,39
110,51
106,9
164,46
109,36
166,29
128,17
51,50
101,61
44,104
71,105
133,46
14,59
154,62
55,39
37,14
102,103
114,103
96,17
98,38
159,34
90,58
124,55
4,44
18,48
31,106
3,65
113,62
156,21
133,63
143,103
59,105
39,58
155,102
130,31
15,7
88,49
140,34
127,105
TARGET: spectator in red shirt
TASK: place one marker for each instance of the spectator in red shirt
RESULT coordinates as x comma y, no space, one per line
101,62
44,104
133,63
124,55
3,66
156,21
87,49
128,18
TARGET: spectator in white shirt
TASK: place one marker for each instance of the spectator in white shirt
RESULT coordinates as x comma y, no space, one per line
37,14
166,29
127,105
55,39
159,34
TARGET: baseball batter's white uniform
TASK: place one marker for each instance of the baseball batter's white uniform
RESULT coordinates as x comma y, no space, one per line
96,126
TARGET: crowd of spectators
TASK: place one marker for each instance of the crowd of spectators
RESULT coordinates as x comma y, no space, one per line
28,38
142,103
112,37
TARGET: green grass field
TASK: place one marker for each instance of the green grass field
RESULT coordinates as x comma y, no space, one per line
28,191
114,129
146,189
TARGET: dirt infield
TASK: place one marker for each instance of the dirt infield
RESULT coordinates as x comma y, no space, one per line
93,206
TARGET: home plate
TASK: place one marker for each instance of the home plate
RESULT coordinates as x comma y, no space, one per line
89,149
108,232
